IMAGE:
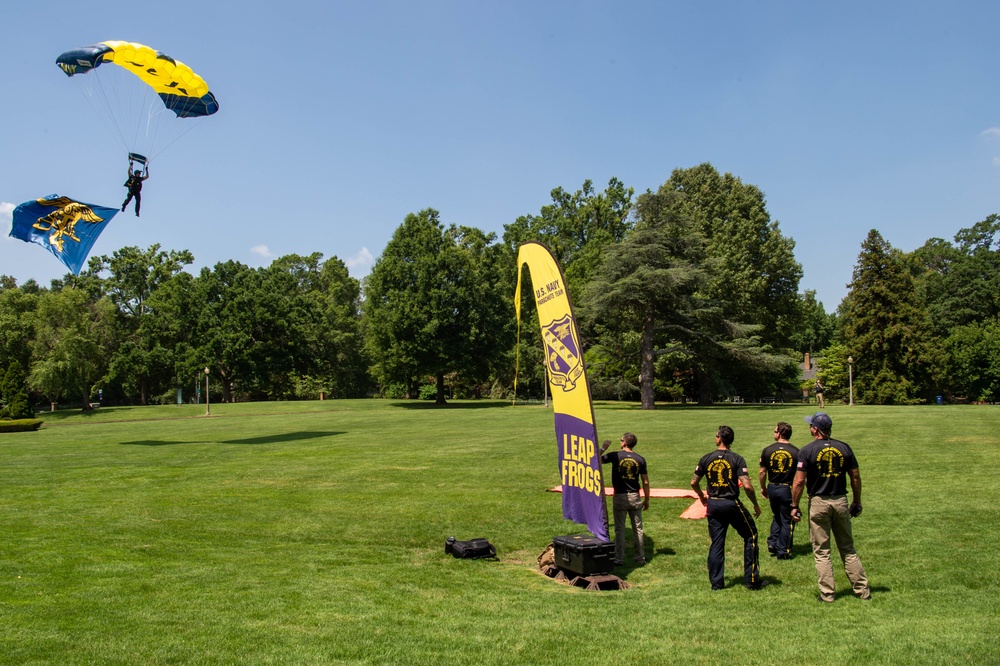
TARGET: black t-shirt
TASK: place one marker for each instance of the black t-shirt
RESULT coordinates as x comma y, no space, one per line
780,459
627,468
723,469
826,463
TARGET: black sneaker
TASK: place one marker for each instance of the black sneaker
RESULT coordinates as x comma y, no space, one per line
759,586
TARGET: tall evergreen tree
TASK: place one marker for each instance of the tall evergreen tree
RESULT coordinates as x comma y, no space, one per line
882,327
648,283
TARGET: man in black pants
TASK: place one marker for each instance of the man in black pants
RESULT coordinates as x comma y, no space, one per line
134,185
777,468
726,472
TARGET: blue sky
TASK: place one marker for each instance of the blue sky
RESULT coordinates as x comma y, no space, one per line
339,118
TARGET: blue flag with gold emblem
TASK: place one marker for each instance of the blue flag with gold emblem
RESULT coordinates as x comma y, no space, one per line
65,227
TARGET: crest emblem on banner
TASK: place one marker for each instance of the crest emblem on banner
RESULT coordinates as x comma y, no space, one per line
562,352
63,220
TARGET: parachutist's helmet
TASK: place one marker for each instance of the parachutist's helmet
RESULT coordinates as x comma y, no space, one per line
137,173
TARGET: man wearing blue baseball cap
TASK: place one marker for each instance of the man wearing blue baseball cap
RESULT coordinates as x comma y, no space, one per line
823,468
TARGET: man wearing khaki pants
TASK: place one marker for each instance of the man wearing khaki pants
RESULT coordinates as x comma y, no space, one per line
823,468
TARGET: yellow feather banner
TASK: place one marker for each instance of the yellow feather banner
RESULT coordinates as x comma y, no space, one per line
576,433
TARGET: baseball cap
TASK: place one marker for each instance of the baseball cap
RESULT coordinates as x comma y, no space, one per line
820,421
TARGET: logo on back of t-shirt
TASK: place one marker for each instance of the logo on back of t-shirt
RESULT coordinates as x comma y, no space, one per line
629,469
780,461
830,462
719,473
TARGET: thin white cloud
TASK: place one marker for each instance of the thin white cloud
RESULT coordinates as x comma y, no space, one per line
6,211
262,251
363,260
991,134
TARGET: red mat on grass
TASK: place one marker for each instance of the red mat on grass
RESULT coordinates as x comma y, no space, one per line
694,512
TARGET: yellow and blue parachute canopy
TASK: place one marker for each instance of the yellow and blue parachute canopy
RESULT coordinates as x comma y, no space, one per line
182,91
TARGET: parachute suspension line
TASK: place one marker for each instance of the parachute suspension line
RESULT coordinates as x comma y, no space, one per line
119,102
191,123
141,104
93,88
159,121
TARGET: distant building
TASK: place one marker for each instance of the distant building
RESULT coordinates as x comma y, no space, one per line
808,375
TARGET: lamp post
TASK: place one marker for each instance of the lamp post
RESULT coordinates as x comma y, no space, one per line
208,407
850,378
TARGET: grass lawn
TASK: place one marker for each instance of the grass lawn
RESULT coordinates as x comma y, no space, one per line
313,532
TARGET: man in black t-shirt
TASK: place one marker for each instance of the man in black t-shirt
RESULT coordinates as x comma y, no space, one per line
823,468
727,472
134,185
628,470
777,470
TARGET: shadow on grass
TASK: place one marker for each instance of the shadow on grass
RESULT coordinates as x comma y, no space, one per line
649,545
284,437
695,407
73,413
268,439
848,593
471,404
737,581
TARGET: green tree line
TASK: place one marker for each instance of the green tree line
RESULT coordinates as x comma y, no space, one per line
689,292
922,324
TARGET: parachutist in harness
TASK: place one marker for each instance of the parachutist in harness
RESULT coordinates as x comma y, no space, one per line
134,185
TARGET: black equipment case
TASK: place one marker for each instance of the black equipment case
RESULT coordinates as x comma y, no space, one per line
583,554
474,549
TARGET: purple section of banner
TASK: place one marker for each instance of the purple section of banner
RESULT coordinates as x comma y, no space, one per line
580,471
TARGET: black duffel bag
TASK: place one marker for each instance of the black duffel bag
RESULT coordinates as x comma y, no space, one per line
473,549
